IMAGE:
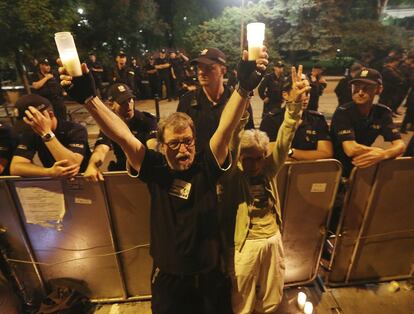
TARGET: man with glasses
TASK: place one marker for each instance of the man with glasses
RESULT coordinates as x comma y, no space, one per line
206,103
311,140
356,125
185,242
142,124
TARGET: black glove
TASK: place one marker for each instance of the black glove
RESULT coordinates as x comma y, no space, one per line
82,88
248,75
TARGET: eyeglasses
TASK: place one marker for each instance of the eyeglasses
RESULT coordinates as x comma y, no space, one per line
175,144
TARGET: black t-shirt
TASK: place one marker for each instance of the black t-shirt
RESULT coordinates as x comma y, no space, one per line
143,125
8,142
312,129
205,114
125,75
349,125
51,89
70,134
166,71
184,222
178,66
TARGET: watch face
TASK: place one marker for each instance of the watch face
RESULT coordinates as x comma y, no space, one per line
47,136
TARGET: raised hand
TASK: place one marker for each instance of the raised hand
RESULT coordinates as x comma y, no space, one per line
78,88
40,122
250,73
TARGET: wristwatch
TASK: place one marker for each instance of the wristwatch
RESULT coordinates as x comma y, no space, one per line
290,153
48,136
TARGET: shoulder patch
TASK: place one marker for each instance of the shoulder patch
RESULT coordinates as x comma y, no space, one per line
316,113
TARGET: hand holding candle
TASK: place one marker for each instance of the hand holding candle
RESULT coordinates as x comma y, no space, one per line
68,53
255,38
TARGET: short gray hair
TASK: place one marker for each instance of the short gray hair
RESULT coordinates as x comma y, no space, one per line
254,139
178,121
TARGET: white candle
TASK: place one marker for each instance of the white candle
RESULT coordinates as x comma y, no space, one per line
308,309
301,300
68,53
255,37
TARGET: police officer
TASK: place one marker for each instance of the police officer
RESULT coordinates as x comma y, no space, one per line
177,60
356,125
393,84
47,85
140,90
318,85
311,140
7,146
97,71
205,104
409,113
343,89
270,90
153,78
62,146
410,148
142,124
163,65
122,73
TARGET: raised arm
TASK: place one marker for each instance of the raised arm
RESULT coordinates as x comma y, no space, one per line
82,89
250,74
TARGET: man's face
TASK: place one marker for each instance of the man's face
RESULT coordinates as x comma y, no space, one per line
209,75
363,93
44,68
305,100
92,58
121,61
252,160
278,70
162,55
125,109
173,55
179,148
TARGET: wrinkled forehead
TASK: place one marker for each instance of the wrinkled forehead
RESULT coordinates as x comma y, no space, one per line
173,132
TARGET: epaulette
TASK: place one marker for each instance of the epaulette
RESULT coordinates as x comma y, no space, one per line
275,112
346,106
315,113
189,98
383,107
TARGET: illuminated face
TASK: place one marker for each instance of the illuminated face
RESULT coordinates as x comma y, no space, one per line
305,100
44,68
92,58
278,70
121,61
252,160
364,93
209,75
179,148
125,110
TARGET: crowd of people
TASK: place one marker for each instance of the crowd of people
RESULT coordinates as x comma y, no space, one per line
215,213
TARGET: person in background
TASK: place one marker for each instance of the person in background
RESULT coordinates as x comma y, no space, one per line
62,146
142,124
318,85
343,89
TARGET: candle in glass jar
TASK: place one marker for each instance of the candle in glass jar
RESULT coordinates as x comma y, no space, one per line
255,38
68,53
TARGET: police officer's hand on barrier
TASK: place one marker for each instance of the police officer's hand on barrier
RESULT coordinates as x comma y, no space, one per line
79,88
93,174
250,73
62,169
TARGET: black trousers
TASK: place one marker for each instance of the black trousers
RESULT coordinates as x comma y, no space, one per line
205,293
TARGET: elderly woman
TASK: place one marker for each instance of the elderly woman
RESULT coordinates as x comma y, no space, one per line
251,209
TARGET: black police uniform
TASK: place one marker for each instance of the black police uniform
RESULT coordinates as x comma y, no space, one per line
54,92
312,129
185,236
164,76
316,91
153,79
178,65
349,125
144,127
205,114
97,75
393,83
343,91
70,134
271,87
8,143
409,152
126,75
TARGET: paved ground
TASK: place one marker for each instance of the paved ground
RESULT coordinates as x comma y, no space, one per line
365,299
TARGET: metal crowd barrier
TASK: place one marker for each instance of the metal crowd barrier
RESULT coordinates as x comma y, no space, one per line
307,194
375,237
111,217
